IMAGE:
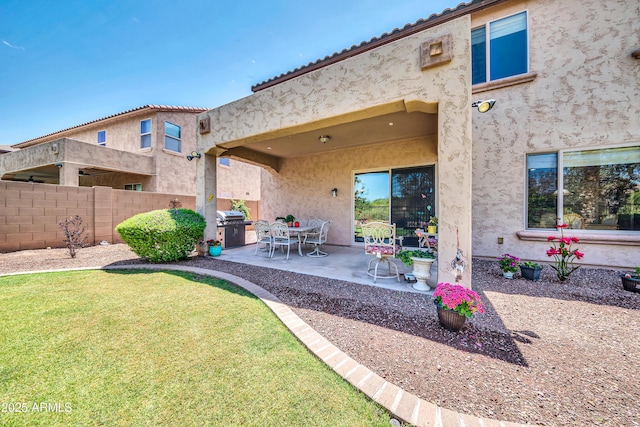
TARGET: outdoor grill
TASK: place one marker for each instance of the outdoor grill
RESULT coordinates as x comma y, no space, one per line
233,223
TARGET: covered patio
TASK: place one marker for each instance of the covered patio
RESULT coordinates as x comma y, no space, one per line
400,105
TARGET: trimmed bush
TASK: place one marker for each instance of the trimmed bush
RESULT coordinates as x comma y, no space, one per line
164,235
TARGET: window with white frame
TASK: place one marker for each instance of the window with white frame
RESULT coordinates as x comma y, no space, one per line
172,140
102,138
588,189
224,161
145,133
500,49
133,187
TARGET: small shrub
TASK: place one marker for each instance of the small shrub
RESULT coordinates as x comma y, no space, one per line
163,235
75,235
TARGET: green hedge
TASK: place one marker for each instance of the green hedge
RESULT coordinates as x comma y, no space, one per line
164,235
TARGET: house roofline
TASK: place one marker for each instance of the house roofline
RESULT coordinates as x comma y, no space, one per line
397,34
133,111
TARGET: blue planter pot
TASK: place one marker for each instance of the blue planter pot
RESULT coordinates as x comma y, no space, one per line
530,273
215,250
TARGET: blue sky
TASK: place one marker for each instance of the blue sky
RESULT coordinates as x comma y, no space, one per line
69,62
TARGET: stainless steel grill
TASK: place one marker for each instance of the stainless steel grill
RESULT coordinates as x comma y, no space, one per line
233,223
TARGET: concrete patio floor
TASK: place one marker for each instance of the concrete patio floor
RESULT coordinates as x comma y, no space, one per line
348,263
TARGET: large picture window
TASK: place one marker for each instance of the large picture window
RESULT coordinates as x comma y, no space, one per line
506,52
597,189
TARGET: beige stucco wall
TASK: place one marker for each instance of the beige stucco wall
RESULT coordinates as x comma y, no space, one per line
586,94
309,181
239,180
384,75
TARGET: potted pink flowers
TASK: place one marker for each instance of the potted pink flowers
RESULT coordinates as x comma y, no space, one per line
563,253
455,303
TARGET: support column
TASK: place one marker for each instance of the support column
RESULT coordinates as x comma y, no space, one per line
68,174
206,190
454,193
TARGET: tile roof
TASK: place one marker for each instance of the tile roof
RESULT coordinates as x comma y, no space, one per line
420,25
148,107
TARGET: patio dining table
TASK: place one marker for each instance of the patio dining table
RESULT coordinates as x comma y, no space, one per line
300,231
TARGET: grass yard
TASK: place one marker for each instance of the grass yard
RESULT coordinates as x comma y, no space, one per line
128,348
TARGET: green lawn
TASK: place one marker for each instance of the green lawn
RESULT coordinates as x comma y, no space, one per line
126,348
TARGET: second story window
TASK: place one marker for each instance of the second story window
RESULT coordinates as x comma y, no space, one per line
500,49
145,133
102,138
172,137
223,161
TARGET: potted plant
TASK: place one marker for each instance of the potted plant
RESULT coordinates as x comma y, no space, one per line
508,265
421,261
215,247
289,220
531,270
455,303
631,282
432,228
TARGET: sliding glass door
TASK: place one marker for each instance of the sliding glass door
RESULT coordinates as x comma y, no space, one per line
404,196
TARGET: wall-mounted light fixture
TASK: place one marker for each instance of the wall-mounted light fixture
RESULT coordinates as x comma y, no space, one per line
324,138
194,155
334,192
636,54
58,165
483,106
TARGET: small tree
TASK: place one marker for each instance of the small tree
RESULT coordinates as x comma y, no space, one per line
240,206
75,235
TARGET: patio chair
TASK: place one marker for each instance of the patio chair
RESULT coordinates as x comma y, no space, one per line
280,237
263,235
380,242
317,239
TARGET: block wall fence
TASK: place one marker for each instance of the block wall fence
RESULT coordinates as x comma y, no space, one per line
30,213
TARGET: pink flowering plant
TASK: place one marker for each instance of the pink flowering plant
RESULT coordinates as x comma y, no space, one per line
563,253
458,298
509,263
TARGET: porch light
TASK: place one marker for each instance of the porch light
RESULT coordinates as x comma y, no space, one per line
334,192
483,106
324,138
194,155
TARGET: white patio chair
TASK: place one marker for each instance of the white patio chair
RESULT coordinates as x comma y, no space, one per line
281,237
263,235
380,242
318,239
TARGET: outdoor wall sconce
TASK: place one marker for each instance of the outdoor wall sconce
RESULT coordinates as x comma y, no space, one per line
483,106
324,138
58,165
194,155
636,54
334,192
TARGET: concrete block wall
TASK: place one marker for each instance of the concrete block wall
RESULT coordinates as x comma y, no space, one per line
30,213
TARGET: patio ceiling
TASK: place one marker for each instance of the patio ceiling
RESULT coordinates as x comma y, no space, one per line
384,128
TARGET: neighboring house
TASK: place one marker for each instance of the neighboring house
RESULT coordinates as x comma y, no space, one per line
143,149
392,118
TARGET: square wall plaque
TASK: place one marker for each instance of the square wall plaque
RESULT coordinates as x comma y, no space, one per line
436,51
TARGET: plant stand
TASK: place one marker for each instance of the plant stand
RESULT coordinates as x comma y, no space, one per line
530,273
422,273
450,320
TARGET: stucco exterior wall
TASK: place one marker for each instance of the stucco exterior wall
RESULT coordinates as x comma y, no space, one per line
586,94
239,180
388,74
309,181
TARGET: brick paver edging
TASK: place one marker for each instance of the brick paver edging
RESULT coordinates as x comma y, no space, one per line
402,404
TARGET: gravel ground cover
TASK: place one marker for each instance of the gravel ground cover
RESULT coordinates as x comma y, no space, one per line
546,352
